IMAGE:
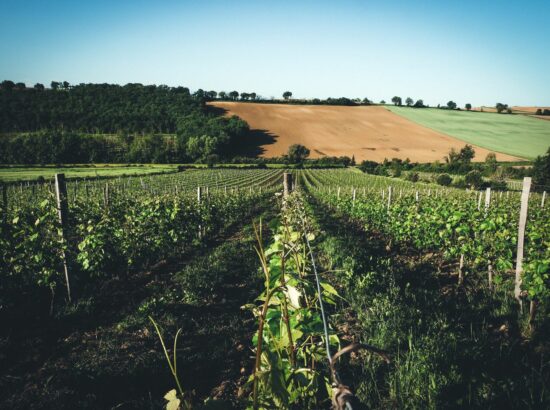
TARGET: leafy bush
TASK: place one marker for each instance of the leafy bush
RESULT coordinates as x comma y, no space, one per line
412,176
474,179
444,179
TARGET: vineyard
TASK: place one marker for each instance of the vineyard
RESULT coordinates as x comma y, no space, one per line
227,288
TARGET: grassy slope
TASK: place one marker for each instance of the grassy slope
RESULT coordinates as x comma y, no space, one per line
28,173
510,134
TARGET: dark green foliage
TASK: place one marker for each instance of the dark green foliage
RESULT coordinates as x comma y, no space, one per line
412,177
501,107
97,108
541,172
396,100
111,123
444,179
468,106
490,163
419,104
451,105
474,179
297,153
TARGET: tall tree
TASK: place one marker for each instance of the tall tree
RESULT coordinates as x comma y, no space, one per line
468,106
451,105
297,153
409,101
396,100
287,95
7,85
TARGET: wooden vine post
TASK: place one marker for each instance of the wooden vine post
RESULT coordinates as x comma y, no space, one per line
63,211
521,236
199,198
487,199
542,200
490,264
287,184
106,196
4,203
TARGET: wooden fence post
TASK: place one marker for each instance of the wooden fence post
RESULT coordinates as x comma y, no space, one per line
543,198
106,196
4,203
199,198
62,211
461,270
487,198
389,198
479,200
521,236
287,184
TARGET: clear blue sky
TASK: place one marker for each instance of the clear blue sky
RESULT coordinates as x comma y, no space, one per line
469,51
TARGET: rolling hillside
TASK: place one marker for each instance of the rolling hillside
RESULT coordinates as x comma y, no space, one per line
372,133
512,134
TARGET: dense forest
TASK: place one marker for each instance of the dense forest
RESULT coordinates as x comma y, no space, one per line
111,123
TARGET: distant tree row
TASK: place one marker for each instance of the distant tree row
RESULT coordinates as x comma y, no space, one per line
459,162
82,115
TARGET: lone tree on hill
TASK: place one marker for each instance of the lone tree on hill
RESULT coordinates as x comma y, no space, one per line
501,107
409,101
451,105
468,106
287,95
396,100
297,153
419,104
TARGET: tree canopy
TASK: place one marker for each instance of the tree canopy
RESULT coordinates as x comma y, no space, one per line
111,123
297,153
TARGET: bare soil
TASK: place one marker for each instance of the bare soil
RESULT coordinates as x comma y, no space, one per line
367,132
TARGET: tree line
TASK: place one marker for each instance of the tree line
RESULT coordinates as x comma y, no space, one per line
111,123
472,174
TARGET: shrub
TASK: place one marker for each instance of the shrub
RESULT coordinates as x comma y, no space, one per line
444,179
412,176
474,179
498,184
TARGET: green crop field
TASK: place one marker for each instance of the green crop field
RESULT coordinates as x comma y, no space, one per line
29,173
511,134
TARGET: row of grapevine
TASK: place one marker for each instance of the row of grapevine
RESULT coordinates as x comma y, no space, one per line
228,181
479,236
117,226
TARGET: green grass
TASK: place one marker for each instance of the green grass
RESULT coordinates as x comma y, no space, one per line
510,134
29,173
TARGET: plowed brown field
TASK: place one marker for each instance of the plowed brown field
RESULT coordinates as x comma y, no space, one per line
372,133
